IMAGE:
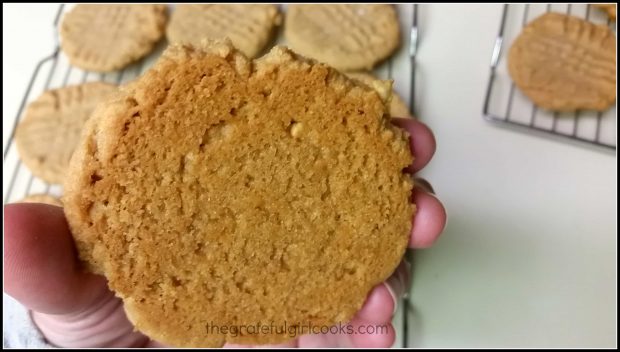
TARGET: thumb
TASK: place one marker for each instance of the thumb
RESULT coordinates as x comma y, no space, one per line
41,268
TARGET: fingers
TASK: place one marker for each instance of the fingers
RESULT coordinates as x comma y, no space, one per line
156,344
379,306
104,324
429,220
422,142
398,283
430,217
424,185
373,322
40,263
359,334
370,328
375,336
382,301
327,340
290,344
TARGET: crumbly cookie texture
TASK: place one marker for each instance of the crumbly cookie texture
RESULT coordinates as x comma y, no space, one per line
348,37
220,191
250,27
564,63
51,127
398,108
42,198
109,37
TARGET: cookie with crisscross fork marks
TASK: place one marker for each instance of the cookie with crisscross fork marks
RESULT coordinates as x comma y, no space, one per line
349,37
248,26
109,37
51,127
564,63
398,108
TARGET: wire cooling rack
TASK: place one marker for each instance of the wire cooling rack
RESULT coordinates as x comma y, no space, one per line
506,106
54,71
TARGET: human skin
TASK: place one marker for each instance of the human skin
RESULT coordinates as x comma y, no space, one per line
73,308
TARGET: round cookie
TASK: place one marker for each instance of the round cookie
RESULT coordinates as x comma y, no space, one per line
42,198
51,127
348,37
564,63
398,108
609,9
220,192
108,37
248,26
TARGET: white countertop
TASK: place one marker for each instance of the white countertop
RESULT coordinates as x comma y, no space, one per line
529,254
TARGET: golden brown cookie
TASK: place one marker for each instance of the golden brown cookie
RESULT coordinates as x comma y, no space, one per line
248,26
610,9
51,127
111,36
398,108
42,198
349,37
564,63
220,191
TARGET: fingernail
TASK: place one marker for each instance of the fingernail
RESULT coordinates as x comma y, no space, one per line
398,283
418,181
394,299
407,265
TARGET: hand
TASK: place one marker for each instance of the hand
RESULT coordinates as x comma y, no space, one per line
76,309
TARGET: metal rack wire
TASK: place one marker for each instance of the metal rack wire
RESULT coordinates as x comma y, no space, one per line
55,71
507,107
413,49
52,71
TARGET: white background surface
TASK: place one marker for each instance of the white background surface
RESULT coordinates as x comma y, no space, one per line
529,254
